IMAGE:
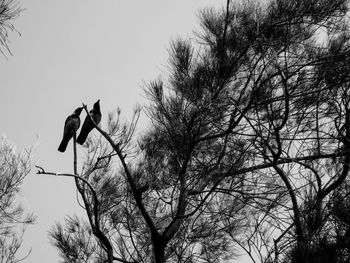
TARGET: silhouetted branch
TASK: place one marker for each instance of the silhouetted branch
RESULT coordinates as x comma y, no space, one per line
135,191
42,171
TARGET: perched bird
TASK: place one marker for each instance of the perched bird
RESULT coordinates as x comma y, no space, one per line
70,128
88,125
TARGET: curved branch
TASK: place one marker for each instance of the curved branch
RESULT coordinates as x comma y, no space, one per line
42,171
95,227
135,191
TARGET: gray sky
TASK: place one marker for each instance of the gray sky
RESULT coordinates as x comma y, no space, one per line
71,52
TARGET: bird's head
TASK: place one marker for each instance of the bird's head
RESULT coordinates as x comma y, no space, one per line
97,105
78,110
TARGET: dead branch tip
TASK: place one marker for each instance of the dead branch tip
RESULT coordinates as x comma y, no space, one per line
40,169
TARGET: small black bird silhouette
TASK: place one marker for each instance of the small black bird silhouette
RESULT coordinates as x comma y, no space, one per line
88,125
70,128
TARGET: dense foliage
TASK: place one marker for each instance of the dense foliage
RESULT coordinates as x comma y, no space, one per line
247,150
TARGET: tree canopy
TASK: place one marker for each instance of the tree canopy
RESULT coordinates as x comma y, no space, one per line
14,168
248,147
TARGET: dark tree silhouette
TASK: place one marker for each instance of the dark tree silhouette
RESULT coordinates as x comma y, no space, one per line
248,143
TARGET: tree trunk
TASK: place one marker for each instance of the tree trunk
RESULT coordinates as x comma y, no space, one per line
159,250
302,252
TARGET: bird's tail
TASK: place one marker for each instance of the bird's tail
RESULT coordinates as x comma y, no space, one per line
63,145
82,137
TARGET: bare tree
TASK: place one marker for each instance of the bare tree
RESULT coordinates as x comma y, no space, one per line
248,143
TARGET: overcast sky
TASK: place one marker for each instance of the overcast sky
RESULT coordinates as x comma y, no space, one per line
74,51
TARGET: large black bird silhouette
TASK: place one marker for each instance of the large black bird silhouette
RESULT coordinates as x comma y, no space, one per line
88,125
70,128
